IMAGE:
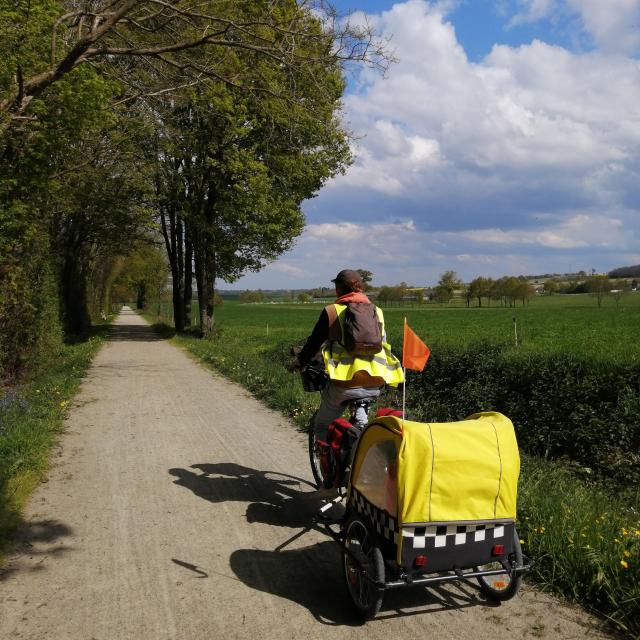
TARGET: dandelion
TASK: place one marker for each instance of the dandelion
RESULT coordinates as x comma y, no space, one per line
522,541
624,563
542,529
626,554
63,404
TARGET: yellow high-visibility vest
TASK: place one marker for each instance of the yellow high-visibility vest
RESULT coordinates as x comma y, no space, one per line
342,366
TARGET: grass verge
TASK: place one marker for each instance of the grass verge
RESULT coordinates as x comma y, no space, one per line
584,535
30,417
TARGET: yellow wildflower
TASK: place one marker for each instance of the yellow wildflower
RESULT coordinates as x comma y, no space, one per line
626,554
63,404
624,563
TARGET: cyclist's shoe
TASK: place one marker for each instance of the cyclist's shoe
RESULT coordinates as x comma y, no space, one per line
333,512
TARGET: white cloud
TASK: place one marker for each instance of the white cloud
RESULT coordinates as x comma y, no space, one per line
613,25
532,10
400,251
578,231
536,114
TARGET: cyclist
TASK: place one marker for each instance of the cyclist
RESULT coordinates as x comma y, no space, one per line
351,377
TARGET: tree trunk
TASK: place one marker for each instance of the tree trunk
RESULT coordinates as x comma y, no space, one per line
173,242
208,291
199,284
188,275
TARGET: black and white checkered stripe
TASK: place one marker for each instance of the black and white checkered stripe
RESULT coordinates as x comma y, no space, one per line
435,536
385,525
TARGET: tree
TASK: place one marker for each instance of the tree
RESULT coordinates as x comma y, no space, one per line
183,42
303,297
618,291
97,127
480,288
524,291
420,296
442,294
447,284
599,286
253,296
143,275
366,277
238,169
551,286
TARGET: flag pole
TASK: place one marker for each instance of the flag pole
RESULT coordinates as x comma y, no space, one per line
404,373
404,394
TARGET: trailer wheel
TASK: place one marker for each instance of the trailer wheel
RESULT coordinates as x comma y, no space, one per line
502,586
361,555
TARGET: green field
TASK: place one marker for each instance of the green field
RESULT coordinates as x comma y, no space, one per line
551,324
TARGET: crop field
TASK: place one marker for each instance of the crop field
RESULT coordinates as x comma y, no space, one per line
569,324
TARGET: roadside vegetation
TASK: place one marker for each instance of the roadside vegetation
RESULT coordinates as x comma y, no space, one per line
31,415
574,402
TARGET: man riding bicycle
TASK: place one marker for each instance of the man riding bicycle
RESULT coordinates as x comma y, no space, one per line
355,373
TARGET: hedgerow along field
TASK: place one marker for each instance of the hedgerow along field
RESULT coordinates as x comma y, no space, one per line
572,388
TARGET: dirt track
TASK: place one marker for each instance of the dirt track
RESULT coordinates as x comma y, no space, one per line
177,508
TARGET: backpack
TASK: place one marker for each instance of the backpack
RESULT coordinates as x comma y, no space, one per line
362,335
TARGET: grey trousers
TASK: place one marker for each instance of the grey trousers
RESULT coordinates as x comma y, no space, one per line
332,403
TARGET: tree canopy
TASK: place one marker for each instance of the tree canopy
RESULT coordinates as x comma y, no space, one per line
119,119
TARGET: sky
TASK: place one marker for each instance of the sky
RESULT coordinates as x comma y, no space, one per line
503,141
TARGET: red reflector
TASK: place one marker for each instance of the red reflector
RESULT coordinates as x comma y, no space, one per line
498,550
420,561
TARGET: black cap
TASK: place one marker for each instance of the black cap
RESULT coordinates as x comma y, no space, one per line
347,278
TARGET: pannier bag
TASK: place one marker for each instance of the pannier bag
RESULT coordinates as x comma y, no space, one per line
362,335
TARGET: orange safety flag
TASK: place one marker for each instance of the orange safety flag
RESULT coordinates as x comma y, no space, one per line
415,353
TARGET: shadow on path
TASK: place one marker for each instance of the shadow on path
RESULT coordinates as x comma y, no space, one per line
309,576
35,539
133,333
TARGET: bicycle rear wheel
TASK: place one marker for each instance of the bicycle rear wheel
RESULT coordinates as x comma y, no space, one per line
322,465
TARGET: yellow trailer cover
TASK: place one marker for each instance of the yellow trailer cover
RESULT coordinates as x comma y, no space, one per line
456,471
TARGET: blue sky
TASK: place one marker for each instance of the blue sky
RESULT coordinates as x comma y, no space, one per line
505,140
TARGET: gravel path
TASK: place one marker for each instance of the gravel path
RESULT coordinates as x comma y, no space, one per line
177,507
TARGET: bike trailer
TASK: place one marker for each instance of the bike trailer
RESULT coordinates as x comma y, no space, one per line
437,498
